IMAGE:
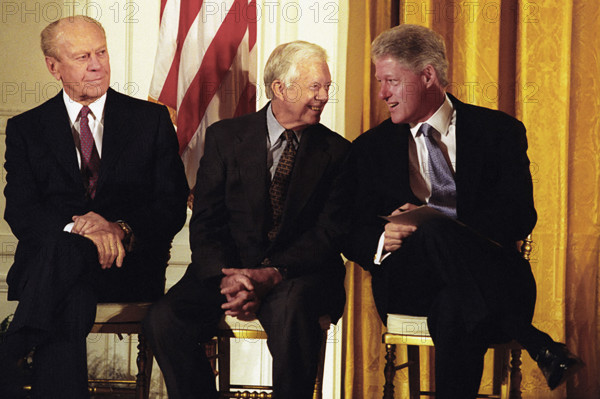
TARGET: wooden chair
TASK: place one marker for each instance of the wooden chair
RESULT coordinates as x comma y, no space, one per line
124,318
412,332
232,327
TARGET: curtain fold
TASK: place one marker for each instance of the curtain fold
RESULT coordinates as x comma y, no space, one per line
538,61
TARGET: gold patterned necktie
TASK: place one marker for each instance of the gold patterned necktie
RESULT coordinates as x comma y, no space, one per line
281,180
90,159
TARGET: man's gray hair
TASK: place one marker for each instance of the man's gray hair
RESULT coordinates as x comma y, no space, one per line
415,47
51,33
283,62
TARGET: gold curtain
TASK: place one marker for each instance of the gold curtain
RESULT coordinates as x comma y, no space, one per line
538,60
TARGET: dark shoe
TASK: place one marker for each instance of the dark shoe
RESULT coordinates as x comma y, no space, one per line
558,364
13,369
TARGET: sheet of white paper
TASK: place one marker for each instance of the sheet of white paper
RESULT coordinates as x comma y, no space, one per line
415,217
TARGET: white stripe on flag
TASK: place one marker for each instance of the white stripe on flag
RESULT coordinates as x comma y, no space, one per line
205,74
222,106
167,45
201,34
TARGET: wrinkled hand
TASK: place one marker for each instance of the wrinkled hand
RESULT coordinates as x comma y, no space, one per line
89,223
243,306
242,301
110,248
233,283
263,278
395,233
105,235
243,289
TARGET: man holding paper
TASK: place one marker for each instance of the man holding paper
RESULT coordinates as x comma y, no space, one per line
459,267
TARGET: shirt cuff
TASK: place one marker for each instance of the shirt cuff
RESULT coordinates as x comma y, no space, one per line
381,254
69,227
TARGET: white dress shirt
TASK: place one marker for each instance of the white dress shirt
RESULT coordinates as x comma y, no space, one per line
95,121
444,122
275,144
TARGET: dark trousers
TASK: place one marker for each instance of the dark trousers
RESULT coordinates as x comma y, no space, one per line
473,291
57,308
191,310
55,313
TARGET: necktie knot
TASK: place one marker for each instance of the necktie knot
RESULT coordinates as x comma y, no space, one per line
289,136
426,129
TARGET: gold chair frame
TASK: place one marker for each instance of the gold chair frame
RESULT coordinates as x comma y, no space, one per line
124,318
232,327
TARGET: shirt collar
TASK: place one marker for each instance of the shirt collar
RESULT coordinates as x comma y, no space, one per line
74,108
274,127
440,120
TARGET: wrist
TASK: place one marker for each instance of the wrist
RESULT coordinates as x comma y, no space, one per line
282,271
126,233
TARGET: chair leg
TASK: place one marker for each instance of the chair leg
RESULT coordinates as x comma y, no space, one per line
389,371
144,364
500,376
224,365
318,393
149,363
515,374
414,372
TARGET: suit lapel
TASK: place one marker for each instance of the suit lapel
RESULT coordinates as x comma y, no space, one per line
396,156
118,130
250,151
58,136
310,164
468,158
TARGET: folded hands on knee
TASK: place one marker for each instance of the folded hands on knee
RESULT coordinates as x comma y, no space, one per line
244,289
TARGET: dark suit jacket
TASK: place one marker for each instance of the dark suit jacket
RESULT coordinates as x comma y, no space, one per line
141,181
232,214
493,181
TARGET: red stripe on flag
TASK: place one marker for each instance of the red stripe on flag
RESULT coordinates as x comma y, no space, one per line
215,65
188,12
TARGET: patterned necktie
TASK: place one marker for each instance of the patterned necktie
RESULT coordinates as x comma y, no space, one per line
90,159
443,187
281,180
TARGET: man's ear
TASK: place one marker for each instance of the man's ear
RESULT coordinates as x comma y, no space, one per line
429,75
52,64
278,87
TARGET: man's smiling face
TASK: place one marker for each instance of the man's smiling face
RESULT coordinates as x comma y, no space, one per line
403,90
305,98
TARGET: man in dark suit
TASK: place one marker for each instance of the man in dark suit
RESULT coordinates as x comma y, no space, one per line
264,234
95,193
459,268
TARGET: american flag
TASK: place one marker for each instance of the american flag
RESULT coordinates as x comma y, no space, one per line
205,68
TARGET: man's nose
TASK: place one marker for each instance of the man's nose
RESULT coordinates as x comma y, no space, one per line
322,94
383,91
94,63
